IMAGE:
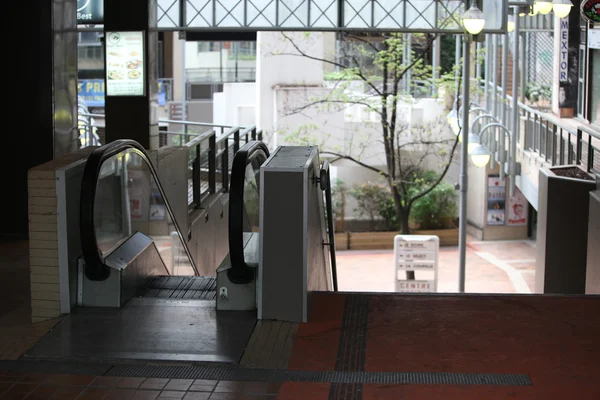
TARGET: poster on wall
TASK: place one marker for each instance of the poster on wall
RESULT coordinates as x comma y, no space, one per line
124,64
496,201
517,209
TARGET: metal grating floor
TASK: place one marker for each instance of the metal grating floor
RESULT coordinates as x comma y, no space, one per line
209,372
182,287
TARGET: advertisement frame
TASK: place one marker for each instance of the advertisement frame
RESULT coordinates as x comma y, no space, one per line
144,66
491,211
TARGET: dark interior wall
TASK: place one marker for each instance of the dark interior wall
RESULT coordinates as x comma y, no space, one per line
27,139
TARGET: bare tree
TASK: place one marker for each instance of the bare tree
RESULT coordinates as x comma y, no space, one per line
392,71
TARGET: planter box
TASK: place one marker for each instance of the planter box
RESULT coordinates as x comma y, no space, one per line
563,212
385,240
448,237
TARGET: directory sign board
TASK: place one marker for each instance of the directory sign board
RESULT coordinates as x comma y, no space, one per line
125,64
415,253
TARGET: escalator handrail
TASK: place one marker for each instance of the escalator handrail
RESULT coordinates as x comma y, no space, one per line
325,181
240,272
95,268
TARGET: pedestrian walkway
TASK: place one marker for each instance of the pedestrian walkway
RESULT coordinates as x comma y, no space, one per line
492,267
373,346
359,346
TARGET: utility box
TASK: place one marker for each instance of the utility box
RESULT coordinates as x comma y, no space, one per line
592,280
293,257
562,236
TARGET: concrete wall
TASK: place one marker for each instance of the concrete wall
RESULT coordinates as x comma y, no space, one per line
44,236
236,105
477,207
279,64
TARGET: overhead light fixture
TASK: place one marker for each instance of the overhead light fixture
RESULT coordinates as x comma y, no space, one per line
474,141
473,19
562,8
543,7
510,24
480,156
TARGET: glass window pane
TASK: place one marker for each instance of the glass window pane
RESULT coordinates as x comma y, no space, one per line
128,200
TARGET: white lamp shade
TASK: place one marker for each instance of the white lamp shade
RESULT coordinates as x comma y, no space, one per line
562,8
543,7
480,156
472,146
473,20
480,160
474,141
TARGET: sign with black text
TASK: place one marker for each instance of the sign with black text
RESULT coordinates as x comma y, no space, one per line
125,64
563,54
90,12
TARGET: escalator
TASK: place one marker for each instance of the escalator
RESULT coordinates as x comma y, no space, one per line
140,295
122,198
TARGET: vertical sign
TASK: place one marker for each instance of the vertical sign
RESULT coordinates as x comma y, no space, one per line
496,200
412,253
124,64
517,209
564,50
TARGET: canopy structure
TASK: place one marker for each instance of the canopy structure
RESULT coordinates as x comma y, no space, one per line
407,16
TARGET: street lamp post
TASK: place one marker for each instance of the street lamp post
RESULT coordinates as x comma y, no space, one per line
464,160
473,21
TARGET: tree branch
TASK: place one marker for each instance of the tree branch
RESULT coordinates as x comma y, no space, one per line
440,178
303,54
354,160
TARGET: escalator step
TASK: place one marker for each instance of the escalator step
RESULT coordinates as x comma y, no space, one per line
182,287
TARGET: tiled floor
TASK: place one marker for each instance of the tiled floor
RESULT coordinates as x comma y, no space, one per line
17,333
551,339
17,386
492,267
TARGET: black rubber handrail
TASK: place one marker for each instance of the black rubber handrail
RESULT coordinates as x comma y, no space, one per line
240,272
95,269
325,184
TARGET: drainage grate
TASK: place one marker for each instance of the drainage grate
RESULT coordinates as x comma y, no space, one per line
245,374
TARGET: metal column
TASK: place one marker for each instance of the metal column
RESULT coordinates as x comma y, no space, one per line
515,103
502,140
464,159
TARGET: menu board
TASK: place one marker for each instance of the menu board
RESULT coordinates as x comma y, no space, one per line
125,63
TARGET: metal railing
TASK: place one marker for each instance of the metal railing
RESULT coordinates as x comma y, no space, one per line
227,74
210,160
188,131
88,129
554,141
